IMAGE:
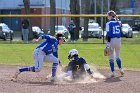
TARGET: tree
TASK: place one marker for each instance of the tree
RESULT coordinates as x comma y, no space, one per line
75,9
113,4
27,11
52,19
86,7
27,6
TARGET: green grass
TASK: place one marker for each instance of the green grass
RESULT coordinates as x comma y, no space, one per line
21,54
17,53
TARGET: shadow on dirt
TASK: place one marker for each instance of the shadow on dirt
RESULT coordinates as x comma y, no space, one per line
112,79
43,83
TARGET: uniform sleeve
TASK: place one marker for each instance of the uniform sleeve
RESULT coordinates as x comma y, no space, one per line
83,60
46,37
108,31
107,27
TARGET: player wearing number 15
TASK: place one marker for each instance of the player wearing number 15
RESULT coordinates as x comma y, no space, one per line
114,33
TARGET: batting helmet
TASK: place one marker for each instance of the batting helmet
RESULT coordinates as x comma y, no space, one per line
60,36
72,53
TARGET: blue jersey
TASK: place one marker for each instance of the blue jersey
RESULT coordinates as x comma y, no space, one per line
113,29
50,45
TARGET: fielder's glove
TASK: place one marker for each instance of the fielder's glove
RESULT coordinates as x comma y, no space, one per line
108,51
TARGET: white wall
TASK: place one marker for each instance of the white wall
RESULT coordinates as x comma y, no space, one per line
62,4
14,4
10,4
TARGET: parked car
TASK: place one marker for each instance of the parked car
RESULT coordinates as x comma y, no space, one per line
6,32
61,29
94,31
37,31
127,31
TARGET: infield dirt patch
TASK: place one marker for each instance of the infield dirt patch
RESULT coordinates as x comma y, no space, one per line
36,83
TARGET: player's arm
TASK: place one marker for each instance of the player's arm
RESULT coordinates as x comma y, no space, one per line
86,67
69,71
108,35
40,38
37,40
108,30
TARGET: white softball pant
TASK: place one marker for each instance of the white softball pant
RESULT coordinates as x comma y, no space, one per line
115,43
40,57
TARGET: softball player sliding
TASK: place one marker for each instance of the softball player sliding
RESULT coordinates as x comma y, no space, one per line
114,33
77,66
46,51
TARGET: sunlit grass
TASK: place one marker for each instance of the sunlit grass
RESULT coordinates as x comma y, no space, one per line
21,54
17,53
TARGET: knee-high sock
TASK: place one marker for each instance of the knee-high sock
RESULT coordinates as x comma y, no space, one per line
111,62
119,63
32,69
54,67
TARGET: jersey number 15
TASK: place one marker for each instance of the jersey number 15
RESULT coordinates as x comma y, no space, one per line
116,29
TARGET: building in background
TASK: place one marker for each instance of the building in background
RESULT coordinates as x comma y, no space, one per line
62,7
36,7
11,7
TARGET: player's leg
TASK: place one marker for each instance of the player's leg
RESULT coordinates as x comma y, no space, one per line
55,61
111,57
118,59
111,63
38,59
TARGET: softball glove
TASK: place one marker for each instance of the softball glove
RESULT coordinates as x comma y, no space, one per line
108,51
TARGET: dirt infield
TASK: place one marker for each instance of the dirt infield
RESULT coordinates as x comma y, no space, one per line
36,83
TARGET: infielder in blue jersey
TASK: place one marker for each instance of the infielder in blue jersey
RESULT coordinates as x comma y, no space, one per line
46,51
114,33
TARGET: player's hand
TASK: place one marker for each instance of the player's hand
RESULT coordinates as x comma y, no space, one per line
35,41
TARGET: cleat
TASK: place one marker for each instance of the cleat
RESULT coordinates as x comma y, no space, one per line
112,75
52,79
122,73
14,78
47,77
